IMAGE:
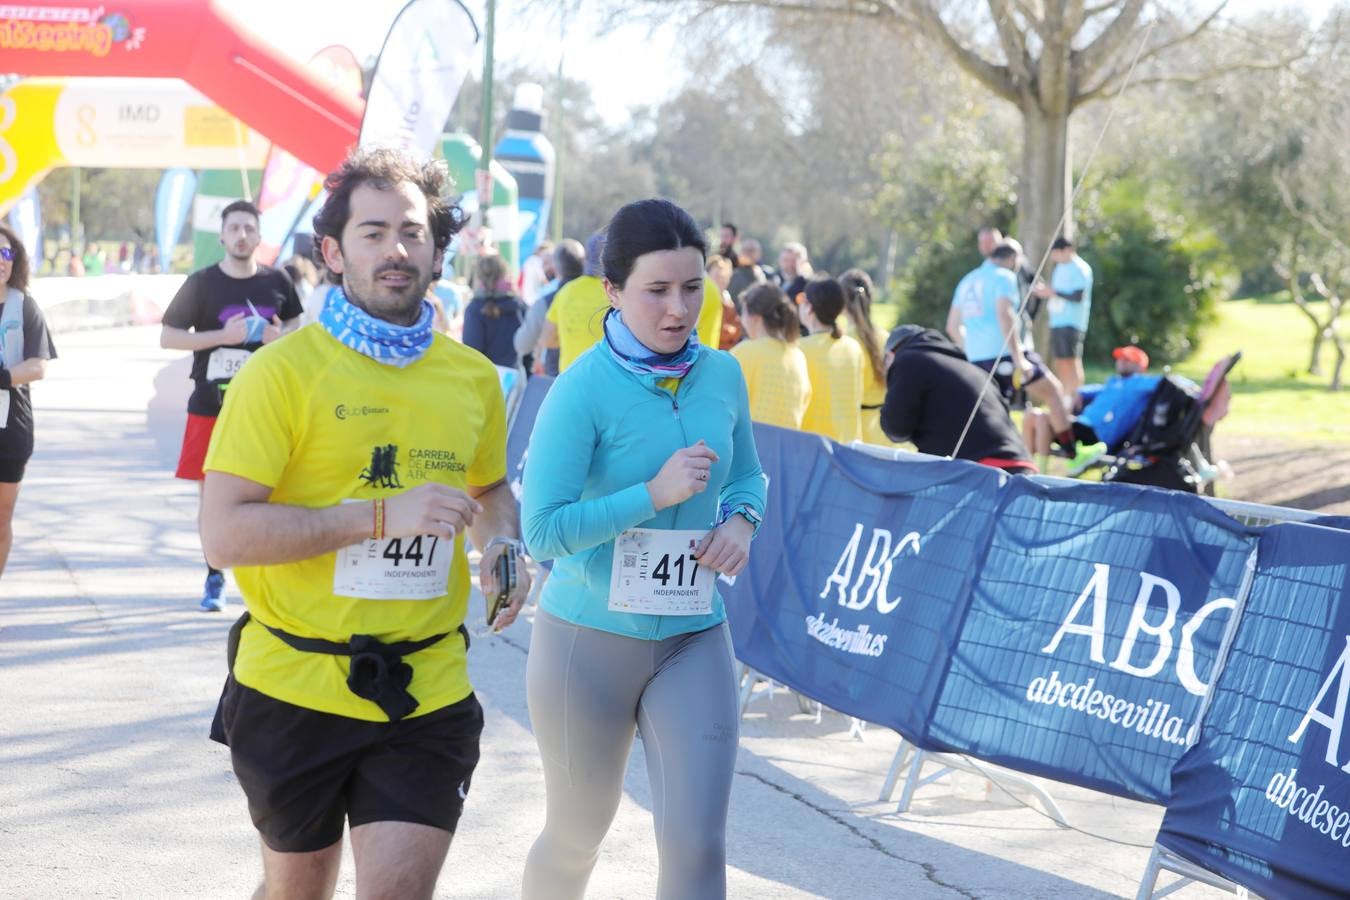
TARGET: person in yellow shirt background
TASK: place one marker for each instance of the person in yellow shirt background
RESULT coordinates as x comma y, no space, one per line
775,369
835,362
574,320
857,286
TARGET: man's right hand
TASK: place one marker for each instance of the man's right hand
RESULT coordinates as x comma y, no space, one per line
235,330
429,509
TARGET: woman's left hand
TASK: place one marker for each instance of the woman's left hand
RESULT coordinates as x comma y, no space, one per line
726,549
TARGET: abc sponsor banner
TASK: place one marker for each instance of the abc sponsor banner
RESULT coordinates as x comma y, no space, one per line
858,577
1264,797
1096,619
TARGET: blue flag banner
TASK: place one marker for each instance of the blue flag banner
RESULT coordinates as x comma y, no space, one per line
1264,797
1096,618
173,202
859,575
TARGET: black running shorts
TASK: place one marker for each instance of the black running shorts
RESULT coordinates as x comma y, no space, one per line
306,772
1003,372
1066,343
11,470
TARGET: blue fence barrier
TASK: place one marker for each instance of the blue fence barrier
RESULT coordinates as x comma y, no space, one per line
1072,632
1264,797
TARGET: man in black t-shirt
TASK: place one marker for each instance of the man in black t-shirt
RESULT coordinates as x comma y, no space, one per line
222,314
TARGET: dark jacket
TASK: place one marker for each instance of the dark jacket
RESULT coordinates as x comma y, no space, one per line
930,390
493,336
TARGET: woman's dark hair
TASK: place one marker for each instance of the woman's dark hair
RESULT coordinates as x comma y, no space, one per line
827,301
772,305
857,286
490,273
647,226
385,168
18,267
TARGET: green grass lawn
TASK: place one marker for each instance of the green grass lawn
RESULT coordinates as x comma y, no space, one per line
1272,392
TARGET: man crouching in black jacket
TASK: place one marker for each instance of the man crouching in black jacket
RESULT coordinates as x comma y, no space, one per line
931,389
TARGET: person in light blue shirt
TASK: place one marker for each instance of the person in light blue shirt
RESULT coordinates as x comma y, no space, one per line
1070,302
644,443
985,321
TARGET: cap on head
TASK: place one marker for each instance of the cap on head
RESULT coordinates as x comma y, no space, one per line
902,336
1132,354
1062,243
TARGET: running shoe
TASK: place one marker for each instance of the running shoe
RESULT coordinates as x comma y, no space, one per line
213,600
1086,456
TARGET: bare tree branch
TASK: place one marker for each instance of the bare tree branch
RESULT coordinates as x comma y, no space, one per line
1088,62
1112,83
1093,11
998,79
1120,67
1014,43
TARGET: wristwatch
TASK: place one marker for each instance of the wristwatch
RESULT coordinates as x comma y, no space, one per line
515,543
745,511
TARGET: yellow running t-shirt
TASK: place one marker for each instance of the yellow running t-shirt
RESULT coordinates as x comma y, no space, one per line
836,368
709,325
578,311
321,424
777,379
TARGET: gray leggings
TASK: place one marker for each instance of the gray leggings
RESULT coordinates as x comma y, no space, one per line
588,690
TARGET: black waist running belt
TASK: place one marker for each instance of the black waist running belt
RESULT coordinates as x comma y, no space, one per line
378,672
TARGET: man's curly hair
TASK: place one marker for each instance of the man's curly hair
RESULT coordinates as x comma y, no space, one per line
385,168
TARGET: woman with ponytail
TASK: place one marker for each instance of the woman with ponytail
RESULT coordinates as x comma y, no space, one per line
835,361
857,286
774,366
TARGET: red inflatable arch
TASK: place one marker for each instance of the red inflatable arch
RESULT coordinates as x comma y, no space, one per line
197,41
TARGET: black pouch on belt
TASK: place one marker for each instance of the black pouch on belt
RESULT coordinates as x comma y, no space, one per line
377,672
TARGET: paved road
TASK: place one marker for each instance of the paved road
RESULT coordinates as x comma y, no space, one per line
109,675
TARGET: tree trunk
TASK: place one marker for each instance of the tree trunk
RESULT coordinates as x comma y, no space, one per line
1315,362
1339,344
1043,192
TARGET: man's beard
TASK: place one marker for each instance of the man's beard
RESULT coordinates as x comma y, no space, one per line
239,257
397,307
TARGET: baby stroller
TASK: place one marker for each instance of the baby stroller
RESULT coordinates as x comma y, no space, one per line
1169,446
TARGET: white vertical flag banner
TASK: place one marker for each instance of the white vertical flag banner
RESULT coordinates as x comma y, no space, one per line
421,68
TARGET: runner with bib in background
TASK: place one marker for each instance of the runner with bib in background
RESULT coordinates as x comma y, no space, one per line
223,313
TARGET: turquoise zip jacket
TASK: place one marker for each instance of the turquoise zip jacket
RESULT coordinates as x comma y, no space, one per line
602,433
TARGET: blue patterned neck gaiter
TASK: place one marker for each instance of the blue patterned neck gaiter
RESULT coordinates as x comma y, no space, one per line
384,342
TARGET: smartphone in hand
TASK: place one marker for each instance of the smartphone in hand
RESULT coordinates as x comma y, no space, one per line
507,581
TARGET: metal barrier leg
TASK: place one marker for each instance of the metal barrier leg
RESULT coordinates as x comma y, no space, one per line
893,774
913,782
1150,877
749,677
1163,860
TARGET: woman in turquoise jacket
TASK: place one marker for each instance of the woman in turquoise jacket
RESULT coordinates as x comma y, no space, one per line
645,445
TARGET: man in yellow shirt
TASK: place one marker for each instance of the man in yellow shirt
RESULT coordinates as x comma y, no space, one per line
574,320
349,460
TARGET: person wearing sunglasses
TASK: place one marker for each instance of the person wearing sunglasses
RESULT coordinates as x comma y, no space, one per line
27,345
